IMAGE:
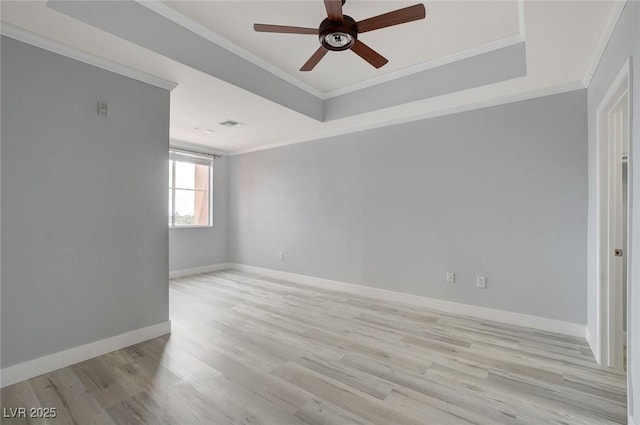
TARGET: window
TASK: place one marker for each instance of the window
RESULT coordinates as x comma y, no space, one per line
190,197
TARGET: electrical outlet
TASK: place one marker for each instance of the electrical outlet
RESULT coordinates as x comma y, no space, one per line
281,255
451,277
481,281
103,109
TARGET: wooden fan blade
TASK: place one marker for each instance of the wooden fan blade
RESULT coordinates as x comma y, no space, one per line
314,59
334,10
400,16
368,54
284,29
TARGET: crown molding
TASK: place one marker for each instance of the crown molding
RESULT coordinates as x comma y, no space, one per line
173,143
463,107
464,54
521,20
603,41
25,36
193,26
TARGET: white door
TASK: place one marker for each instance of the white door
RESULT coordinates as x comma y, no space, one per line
618,142
613,169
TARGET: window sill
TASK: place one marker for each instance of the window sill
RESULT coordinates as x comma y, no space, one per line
190,227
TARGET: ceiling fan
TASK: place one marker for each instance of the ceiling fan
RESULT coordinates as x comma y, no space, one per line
340,32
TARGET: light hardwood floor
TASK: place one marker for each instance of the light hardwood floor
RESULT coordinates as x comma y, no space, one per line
251,350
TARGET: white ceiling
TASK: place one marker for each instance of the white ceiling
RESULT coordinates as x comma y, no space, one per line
562,40
450,27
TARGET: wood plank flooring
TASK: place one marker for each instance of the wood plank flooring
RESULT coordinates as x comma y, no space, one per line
248,350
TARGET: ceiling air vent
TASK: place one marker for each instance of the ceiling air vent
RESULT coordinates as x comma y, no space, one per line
230,123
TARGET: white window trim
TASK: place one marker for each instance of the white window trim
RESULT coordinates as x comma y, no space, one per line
199,155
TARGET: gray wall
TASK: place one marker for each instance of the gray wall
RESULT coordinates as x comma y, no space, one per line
487,68
197,247
84,230
625,42
498,192
134,22
137,24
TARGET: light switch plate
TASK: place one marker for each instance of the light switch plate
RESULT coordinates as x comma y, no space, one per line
481,281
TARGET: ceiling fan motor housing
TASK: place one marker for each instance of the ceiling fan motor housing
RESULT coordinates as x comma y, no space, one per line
338,36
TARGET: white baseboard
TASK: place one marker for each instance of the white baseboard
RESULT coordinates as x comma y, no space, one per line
32,368
508,317
535,322
595,348
198,270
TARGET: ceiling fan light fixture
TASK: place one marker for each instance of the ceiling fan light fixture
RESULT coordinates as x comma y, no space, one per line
338,39
338,32
338,36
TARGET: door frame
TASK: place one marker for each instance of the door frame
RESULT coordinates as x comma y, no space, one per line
609,338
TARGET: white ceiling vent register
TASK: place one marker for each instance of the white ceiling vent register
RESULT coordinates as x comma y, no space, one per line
231,123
